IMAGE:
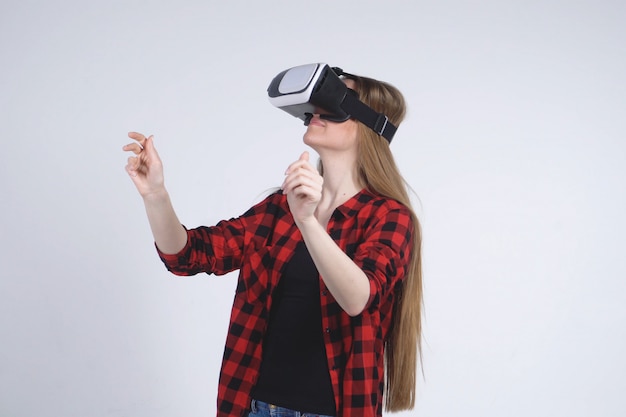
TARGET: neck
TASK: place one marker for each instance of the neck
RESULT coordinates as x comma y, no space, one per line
341,181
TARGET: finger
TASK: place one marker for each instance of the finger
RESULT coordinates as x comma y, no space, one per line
300,163
139,137
303,160
300,172
305,192
133,147
304,171
293,182
133,163
149,143
138,164
131,170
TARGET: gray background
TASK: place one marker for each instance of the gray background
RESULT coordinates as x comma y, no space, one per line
514,144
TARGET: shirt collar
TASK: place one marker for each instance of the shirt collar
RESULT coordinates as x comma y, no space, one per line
352,206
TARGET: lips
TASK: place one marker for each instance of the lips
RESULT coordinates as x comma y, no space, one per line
316,121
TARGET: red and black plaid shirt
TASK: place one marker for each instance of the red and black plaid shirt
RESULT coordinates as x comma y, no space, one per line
375,232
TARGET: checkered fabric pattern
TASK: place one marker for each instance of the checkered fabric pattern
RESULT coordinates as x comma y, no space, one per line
374,231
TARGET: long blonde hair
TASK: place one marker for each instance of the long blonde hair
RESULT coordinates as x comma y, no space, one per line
379,173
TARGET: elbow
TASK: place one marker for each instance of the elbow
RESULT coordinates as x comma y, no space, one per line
354,312
358,298
356,308
353,296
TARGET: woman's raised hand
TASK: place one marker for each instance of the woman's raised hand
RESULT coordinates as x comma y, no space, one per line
145,168
303,187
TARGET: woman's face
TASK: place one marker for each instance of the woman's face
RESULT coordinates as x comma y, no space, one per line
324,134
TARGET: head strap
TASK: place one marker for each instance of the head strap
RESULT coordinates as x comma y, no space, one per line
378,122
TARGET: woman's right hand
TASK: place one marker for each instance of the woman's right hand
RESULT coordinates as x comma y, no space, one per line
145,168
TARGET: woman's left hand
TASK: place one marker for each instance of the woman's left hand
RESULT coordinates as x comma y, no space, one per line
303,187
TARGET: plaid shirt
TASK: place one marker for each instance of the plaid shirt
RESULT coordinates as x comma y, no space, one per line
375,232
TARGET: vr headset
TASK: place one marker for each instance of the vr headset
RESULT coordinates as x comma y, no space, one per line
300,90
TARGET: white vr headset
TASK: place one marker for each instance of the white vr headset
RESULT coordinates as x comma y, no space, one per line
300,90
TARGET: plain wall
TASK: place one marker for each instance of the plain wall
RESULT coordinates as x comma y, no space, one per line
514,144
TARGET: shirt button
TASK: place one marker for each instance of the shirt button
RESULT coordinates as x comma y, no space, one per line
324,292
327,330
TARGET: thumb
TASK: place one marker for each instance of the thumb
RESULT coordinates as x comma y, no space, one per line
148,142
148,145
304,156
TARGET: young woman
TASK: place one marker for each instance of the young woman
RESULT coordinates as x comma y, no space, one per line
326,318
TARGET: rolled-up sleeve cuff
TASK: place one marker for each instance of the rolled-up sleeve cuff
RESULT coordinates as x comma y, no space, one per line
173,260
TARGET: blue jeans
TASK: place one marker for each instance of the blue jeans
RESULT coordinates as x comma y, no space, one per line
261,409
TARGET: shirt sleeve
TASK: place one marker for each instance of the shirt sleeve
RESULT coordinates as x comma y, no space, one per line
385,254
217,249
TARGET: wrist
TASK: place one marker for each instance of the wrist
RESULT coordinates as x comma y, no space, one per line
156,196
309,224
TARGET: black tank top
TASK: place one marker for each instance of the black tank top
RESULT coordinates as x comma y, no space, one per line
294,370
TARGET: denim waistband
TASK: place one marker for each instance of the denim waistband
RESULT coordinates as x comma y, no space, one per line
270,410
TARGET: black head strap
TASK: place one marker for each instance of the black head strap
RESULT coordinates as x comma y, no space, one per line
378,122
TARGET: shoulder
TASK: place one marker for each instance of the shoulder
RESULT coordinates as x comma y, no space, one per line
380,204
275,202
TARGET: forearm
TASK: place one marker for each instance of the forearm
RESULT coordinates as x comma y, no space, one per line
169,234
344,279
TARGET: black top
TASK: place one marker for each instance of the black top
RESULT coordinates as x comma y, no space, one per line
294,370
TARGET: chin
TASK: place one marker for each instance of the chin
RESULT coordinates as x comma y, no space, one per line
309,138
